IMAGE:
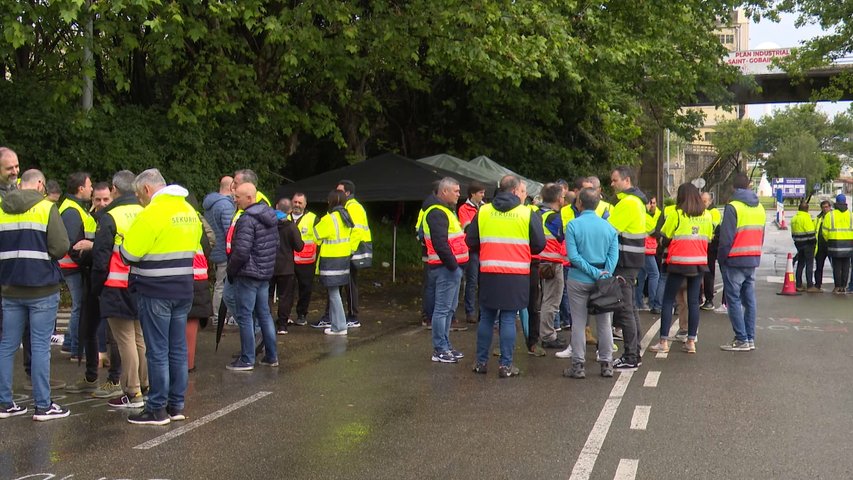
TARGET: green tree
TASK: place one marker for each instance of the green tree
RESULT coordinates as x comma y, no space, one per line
798,156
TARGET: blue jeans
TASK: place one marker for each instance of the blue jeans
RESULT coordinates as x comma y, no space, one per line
650,271
164,327
486,329
337,315
74,282
472,276
739,286
673,284
446,300
657,301
252,297
40,313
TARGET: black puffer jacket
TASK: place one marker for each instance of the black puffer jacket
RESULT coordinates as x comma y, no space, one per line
254,244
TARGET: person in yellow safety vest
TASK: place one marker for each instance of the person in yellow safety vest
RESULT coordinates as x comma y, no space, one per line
332,235
361,242
710,276
837,229
649,271
32,238
304,260
739,254
628,217
803,233
427,296
447,255
687,233
820,250
466,213
160,248
80,227
547,281
507,234
603,208
110,276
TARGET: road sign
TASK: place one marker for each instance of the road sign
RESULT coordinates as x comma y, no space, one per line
791,187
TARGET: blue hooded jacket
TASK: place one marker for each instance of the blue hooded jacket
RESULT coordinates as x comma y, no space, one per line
728,228
218,211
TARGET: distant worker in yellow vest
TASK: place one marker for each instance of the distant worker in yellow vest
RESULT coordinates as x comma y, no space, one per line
739,254
361,242
837,229
304,260
710,276
803,234
821,253
603,209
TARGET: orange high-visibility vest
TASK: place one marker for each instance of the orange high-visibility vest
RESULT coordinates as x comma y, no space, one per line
305,225
749,233
199,265
455,237
554,250
230,233
504,240
123,217
690,237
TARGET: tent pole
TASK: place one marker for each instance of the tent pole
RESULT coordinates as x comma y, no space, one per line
394,257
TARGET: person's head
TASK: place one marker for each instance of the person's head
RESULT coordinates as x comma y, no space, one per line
448,191
588,199
244,176
552,195
476,192
512,184
123,183
594,183
336,198
79,185
146,184
347,187
101,195
652,204
825,206
740,180
707,199
564,185
53,191
571,197
581,183
298,203
245,195
284,205
9,167
621,178
225,184
33,179
804,207
689,201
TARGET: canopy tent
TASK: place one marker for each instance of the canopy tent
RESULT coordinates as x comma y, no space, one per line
484,162
453,164
387,177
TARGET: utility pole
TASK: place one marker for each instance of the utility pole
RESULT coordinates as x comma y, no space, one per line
88,64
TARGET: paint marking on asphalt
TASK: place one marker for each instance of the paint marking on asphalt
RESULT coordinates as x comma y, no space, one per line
589,453
414,331
640,419
200,422
661,355
84,401
775,279
627,469
652,379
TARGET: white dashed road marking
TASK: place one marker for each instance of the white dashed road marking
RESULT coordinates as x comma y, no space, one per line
641,417
652,379
627,469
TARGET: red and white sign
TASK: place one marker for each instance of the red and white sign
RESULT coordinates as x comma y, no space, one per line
757,62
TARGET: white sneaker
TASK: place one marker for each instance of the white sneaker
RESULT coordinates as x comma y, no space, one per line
57,339
329,331
567,353
721,309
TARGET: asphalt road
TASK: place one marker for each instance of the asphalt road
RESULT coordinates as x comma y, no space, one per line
374,406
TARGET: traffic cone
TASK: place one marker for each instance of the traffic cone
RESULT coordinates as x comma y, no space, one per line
783,225
789,286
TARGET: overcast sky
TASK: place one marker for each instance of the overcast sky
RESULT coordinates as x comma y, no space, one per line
785,34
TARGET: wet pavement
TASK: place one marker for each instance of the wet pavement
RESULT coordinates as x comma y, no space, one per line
372,405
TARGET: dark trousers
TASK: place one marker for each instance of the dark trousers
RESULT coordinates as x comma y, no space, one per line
283,284
534,306
840,271
114,373
673,285
708,279
820,261
351,294
305,284
805,261
90,320
627,317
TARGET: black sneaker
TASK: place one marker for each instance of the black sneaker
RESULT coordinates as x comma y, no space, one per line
480,368
52,412
175,414
322,323
12,410
148,417
301,321
622,364
457,354
556,343
444,357
707,306
506,371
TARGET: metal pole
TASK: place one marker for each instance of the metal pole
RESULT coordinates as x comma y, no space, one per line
668,186
394,256
87,100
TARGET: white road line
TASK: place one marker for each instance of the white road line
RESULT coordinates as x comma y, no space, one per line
661,355
589,453
652,379
640,419
413,332
627,469
201,421
85,401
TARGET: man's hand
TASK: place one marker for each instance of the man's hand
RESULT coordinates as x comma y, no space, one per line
83,246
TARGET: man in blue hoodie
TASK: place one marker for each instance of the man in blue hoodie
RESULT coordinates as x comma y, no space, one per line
739,253
218,211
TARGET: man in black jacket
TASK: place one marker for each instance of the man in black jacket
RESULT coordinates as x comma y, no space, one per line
284,276
250,267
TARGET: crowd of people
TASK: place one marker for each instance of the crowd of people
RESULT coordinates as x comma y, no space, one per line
134,255
540,261
827,236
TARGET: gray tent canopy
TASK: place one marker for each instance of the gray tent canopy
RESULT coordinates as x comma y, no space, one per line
533,187
453,164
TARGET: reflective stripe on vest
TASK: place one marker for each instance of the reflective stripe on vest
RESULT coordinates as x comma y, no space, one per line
199,266
689,245
89,227
802,229
455,237
305,225
23,248
504,240
123,217
230,233
628,217
838,231
334,239
554,251
749,233
651,223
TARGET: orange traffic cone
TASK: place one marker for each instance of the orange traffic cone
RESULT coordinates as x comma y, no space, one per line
783,225
789,287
